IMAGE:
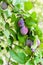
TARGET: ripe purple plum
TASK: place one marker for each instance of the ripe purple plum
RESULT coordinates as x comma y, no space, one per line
24,30
4,5
21,23
29,42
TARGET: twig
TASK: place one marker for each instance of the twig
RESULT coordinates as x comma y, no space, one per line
3,17
9,60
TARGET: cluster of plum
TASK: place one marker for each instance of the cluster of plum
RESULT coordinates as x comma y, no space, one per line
24,30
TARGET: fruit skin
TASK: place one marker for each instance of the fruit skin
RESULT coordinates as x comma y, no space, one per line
4,5
21,23
29,42
24,30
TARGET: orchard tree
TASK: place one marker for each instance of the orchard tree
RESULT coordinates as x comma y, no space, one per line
21,39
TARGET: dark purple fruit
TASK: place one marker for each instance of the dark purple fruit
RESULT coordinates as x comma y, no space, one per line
4,5
21,23
24,30
29,43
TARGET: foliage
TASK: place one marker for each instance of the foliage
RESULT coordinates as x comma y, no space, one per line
11,39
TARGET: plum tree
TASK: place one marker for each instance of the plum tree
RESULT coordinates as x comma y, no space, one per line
19,26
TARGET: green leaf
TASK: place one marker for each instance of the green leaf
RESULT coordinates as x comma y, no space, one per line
19,57
30,62
14,63
12,32
0,0
1,10
7,25
7,13
30,22
18,6
16,24
33,15
6,33
41,46
1,61
37,60
28,6
22,55
38,31
28,51
10,40
13,18
9,1
1,33
21,38
7,48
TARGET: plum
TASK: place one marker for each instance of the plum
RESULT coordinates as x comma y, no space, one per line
24,30
4,5
29,42
21,23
